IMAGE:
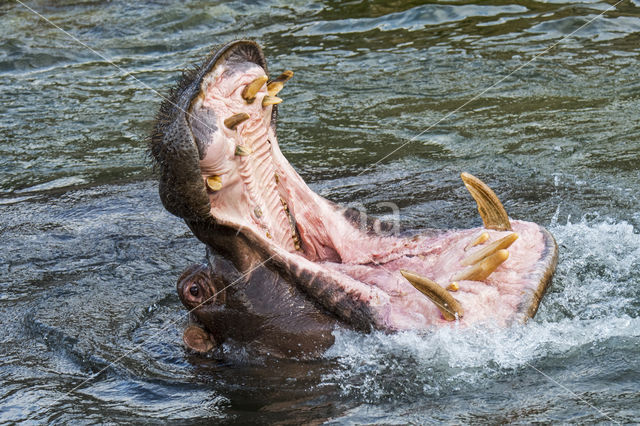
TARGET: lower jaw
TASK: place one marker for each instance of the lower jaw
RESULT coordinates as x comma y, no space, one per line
510,294
359,277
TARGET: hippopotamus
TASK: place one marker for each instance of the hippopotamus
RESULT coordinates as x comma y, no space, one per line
284,266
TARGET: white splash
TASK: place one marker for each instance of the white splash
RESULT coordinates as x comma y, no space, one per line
594,298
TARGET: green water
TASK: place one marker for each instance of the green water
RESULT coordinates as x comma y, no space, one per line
389,103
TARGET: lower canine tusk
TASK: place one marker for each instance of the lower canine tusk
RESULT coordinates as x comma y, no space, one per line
490,208
481,270
449,307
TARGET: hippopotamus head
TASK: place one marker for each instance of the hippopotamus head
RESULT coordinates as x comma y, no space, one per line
284,265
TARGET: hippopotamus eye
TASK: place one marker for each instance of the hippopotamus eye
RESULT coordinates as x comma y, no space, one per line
194,290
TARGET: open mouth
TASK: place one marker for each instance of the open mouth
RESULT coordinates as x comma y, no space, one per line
227,174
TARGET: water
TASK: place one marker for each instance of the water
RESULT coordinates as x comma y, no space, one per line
89,257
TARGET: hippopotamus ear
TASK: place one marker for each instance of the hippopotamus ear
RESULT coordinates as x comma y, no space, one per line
198,340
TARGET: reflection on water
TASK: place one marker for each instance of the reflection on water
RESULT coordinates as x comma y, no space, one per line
89,257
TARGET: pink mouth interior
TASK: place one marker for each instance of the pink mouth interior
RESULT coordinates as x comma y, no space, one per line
262,194
497,298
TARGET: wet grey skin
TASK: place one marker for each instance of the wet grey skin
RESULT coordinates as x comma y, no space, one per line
266,300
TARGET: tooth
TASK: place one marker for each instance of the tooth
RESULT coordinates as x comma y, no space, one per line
243,151
275,86
285,76
270,100
449,307
482,238
481,271
490,208
249,93
480,254
214,183
236,119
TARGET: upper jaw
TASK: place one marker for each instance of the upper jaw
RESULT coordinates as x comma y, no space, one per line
240,161
173,145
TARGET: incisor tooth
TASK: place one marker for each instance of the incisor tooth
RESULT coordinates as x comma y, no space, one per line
449,307
233,121
490,208
481,270
214,183
285,76
480,254
249,93
270,100
275,86
482,238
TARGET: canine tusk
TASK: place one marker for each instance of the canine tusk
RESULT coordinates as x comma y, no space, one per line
449,307
490,208
274,88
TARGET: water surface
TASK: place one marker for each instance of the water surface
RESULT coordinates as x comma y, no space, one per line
389,103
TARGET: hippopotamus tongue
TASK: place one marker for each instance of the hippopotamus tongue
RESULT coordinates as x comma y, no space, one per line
222,170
